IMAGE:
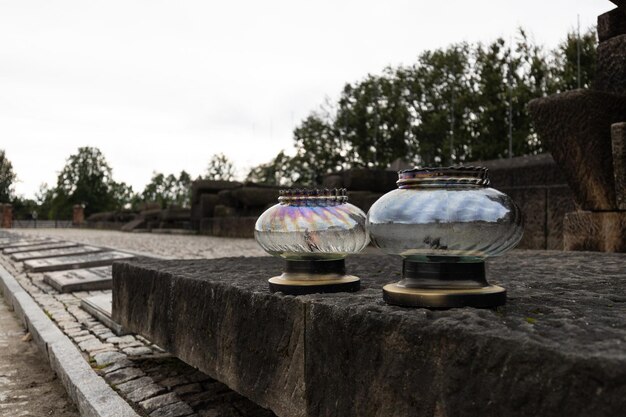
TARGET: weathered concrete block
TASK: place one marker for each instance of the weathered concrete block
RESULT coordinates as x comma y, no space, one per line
618,142
595,231
559,202
256,196
523,171
556,349
211,187
610,73
207,204
533,204
576,127
242,227
363,199
611,24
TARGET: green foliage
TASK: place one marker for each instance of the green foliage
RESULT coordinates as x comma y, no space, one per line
7,178
86,179
168,190
220,168
454,105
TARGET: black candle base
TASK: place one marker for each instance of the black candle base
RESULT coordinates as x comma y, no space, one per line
314,276
444,285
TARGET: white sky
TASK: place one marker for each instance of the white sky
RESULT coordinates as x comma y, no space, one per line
163,85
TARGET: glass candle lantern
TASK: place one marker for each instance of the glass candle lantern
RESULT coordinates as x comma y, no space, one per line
444,223
313,230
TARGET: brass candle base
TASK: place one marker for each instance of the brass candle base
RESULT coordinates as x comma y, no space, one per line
444,285
311,277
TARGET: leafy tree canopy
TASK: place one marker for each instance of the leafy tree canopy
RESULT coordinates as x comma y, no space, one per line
453,105
168,190
7,178
220,168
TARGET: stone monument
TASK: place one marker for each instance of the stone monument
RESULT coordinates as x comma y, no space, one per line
585,130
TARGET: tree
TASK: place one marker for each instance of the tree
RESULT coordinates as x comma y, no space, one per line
7,178
168,190
86,179
280,171
220,168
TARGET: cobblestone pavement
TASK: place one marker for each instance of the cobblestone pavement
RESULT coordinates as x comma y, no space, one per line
154,382
169,246
28,387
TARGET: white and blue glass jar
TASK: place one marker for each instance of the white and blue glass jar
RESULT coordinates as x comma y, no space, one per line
313,230
444,223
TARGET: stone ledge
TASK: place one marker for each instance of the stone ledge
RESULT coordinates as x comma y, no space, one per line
557,348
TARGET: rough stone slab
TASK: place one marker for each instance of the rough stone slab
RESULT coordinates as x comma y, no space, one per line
76,261
611,24
576,127
55,253
556,349
618,142
533,204
90,279
99,306
559,203
610,75
42,246
595,231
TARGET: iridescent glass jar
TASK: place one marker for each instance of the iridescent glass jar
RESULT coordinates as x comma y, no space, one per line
444,223
314,231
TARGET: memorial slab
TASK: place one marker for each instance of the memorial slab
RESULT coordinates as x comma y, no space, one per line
23,243
56,253
555,349
41,246
75,262
99,306
90,279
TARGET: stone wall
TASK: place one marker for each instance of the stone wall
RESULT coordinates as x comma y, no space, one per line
230,209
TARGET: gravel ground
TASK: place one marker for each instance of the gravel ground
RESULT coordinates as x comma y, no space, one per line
165,245
28,387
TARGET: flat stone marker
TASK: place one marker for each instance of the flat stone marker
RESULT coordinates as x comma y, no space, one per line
22,243
75,261
56,253
90,279
40,246
99,306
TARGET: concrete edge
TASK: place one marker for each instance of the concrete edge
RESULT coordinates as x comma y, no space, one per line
91,394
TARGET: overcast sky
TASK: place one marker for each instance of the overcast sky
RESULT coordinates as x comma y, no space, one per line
163,85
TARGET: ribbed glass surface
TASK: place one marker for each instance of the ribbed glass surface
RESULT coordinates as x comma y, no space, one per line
312,224
453,219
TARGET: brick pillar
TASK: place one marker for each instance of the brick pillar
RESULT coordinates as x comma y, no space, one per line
78,215
7,216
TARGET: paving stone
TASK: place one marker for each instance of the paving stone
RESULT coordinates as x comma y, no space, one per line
179,409
134,384
121,339
137,351
75,262
88,336
124,375
117,365
158,402
188,389
80,279
145,392
105,358
90,344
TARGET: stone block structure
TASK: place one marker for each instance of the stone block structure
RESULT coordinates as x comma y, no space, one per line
555,350
584,131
